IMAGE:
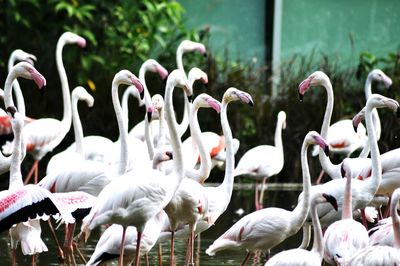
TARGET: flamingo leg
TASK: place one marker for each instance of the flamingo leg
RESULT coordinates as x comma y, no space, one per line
159,254
387,209
121,248
146,257
33,260
31,172
171,255
187,256
246,258
364,219
61,257
14,257
261,199
79,253
191,258
319,179
137,257
198,249
68,247
36,176
256,197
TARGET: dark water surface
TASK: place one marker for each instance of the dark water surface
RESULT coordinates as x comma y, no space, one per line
241,199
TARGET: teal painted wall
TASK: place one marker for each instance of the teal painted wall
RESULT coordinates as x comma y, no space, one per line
236,24
325,25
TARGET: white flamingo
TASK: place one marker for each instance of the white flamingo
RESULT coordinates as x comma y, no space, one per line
266,228
300,256
263,161
40,142
383,255
346,236
134,202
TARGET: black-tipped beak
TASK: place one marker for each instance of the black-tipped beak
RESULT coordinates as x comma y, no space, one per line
149,116
331,200
326,150
12,110
398,112
251,103
91,108
301,97
205,55
342,171
142,94
190,98
169,154
355,128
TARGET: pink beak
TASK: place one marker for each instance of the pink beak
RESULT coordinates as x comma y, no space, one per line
81,42
38,79
214,105
162,72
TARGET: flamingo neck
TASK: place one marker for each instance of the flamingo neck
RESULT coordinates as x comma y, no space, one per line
326,163
179,60
8,100
278,137
67,113
318,238
16,159
395,219
227,184
142,73
347,200
148,138
173,133
205,159
17,89
76,122
372,184
301,211
123,133
162,138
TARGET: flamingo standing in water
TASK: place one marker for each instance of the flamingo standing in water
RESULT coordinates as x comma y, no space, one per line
264,161
346,236
40,142
301,256
134,201
383,255
266,228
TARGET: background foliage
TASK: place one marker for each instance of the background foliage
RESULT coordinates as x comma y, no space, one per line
122,34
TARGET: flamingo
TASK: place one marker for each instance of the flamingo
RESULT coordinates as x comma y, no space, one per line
264,161
266,228
382,255
23,205
189,204
301,256
108,247
346,236
134,202
362,192
67,158
218,197
40,142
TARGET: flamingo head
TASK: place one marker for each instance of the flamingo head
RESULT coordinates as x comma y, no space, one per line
197,74
205,100
358,118
314,138
153,66
80,93
26,70
380,76
190,46
282,119
379,101
331,200
157,102
128,78
233,94
161,156
71,38
20,55
317,78
11,110
177,78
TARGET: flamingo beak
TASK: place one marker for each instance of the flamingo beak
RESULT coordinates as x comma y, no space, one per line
149,114
342,171
331,200
190,98
38,79
12,110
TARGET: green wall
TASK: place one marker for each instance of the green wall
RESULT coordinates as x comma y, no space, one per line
326,25
236,24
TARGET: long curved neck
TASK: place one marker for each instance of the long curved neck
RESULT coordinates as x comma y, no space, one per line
147,97
8,100
375,116
347,208
227,185
326,163
78,131
395,219
301,211
123,133
16,159
173,133
318,238
67,113
372,184
205,159
278,136
148,138
17,89
179,60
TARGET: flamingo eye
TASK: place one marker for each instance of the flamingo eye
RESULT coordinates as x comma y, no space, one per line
30,70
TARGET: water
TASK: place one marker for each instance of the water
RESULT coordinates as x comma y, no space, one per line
242,198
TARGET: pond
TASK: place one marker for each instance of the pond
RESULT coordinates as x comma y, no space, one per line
242,199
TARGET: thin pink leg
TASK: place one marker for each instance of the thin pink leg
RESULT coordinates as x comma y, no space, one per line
31,172
256,197
260,203
36,177
137,257
319,179
387,209
14,257
121,248
246,259
171,256
159,254
364,219
33,260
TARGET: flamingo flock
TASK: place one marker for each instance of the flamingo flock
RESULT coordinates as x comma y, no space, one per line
149,187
